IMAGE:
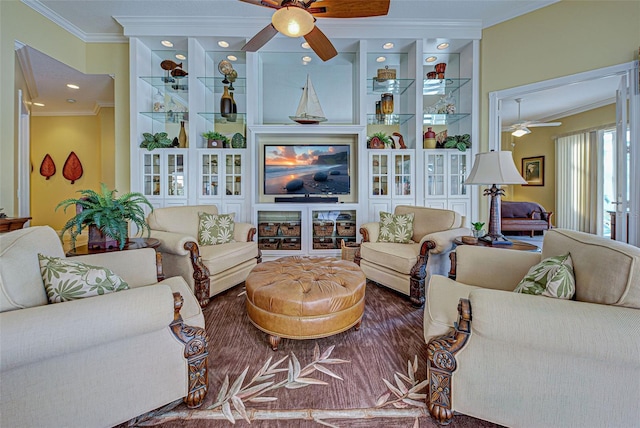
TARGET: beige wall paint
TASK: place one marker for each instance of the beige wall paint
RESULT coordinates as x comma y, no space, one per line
20,22
58,136
562,39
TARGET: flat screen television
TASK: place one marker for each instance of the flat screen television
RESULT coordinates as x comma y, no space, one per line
306,169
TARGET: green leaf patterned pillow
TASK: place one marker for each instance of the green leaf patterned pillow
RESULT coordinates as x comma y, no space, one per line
552,277
396,228
215,228
66,280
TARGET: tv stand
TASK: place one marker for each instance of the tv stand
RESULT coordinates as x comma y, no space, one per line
307,199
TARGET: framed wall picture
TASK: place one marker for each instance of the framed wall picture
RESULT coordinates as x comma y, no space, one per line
533,171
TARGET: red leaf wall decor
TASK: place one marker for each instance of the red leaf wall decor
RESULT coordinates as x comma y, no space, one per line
72,169
47,167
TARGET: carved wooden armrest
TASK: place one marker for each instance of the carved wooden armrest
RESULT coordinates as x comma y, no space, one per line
419,275
202,283
195,351
251,234
441,363
365,234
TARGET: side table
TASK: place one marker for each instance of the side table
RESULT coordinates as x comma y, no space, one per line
131,244
516,245
7,224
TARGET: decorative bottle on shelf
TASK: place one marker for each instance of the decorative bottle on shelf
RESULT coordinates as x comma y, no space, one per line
226,103
429,139
182,136
234,109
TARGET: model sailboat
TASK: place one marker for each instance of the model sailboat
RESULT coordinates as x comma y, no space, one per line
309,110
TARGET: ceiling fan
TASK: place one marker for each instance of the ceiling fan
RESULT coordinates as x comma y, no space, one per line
296,18
521,127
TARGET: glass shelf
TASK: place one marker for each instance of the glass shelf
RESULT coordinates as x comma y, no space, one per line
217,117
166,116
170,84
442,86
395,86
389,119
215,84
442,119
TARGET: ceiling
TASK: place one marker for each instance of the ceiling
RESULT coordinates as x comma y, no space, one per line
93,21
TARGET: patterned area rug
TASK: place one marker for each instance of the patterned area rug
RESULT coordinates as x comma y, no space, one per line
374,377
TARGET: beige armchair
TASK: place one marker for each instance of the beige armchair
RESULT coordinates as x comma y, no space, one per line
405,267
524,360
97,361
211,269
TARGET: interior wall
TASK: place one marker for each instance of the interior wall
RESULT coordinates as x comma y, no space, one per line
20,22
106,118
541,143
58,136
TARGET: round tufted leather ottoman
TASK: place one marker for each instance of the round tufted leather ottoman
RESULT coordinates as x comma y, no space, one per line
305,297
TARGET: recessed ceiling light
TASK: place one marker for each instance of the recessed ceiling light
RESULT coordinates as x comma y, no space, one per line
232,57
305,45
72,86
181,57
38,104
71,100
387,45
223,44
443,46
381,59
166,43
431,59
306,58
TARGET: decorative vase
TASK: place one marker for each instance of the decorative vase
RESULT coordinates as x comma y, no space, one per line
429,139
182,137
226,103
97,239
234,109
478,233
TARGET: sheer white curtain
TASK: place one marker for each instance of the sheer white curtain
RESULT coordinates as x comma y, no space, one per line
577,182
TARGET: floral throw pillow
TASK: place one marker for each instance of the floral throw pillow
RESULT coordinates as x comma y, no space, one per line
552,277
396,228
66,280
216,228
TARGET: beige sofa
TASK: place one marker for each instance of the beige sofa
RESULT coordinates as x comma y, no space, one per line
97,361
405,267
534,361
211,269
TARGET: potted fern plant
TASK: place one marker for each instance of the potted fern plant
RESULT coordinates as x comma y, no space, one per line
106,216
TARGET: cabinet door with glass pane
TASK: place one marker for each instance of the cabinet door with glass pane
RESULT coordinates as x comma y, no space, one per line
435,174
379,174
209,173
176,175
457,174
402,174
233,169
151,175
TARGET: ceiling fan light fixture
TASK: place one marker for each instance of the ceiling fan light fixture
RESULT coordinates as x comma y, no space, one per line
520,132
293,21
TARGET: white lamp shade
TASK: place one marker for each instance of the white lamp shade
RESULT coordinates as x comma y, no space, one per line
293,21
494,168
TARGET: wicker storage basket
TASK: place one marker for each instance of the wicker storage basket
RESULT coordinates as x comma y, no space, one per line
268,244
323,228
324,244
386,73
349,249
268,229
346,228
290,229
291,244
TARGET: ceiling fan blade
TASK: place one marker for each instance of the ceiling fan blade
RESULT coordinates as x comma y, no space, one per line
260,39
541,124
265,3
349,8
320,44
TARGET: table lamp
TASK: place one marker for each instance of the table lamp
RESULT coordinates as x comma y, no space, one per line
494,168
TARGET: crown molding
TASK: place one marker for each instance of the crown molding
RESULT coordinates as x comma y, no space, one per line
580,109
65,24
140,26
518,12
